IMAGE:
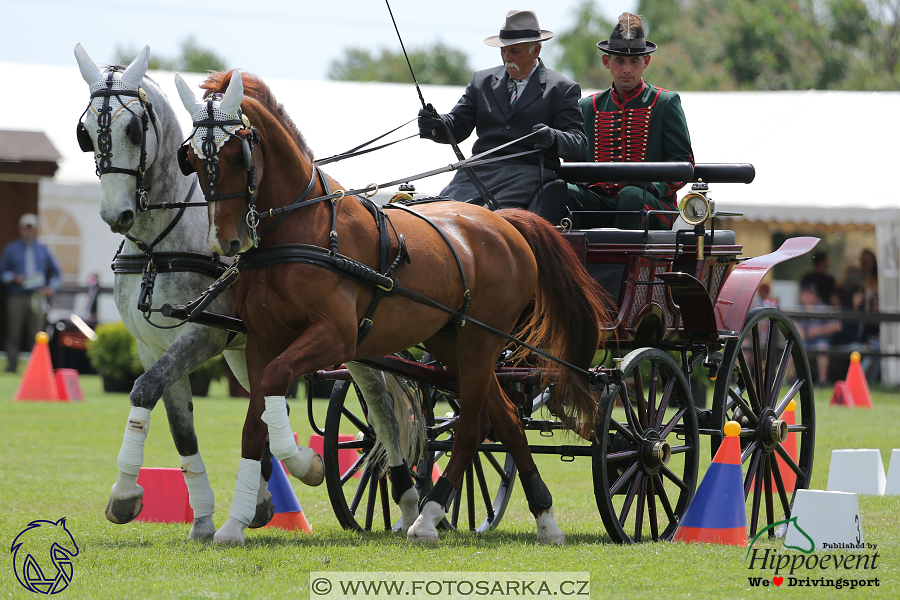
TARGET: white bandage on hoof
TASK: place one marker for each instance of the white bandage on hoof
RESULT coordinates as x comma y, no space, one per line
409,509
200,493
547,531
246,487
281,438
425,527
307,466
131,456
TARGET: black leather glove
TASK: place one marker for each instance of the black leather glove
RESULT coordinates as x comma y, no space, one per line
430,124
545,139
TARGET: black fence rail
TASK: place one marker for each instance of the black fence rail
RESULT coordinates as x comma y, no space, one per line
841,350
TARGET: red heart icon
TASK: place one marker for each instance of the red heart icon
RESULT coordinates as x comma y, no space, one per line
777,580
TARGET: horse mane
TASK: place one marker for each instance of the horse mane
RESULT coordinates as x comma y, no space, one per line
256,88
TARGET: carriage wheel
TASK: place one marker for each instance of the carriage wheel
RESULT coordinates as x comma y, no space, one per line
364,503
646,454
360,494
487,486
762,371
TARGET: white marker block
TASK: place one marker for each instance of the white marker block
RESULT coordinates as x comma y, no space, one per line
857,471
892,487
830,519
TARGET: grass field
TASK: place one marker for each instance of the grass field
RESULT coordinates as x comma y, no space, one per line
59,460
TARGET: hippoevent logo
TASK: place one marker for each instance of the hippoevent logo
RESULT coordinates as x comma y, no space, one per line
808,569
42,556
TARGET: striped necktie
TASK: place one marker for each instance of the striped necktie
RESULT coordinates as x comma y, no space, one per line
513,92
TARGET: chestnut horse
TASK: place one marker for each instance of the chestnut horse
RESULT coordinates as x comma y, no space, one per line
456,277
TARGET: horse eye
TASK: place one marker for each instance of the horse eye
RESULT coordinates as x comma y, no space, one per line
237,160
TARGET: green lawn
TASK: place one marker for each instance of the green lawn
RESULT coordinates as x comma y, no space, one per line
59,460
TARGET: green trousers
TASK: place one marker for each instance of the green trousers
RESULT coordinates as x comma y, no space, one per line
631,198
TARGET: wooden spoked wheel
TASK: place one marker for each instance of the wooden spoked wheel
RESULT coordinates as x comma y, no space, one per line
764,374
645,459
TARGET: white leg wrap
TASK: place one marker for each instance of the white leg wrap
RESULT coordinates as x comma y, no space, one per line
199,490
281,438
424,529
246,487
547,530
131,456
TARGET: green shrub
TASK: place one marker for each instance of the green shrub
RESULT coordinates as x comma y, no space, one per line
114,353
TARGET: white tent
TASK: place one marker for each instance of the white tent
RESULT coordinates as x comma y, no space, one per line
820,157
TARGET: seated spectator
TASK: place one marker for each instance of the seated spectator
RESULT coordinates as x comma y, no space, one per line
816,333
819,277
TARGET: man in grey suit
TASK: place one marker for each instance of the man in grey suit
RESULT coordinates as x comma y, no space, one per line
505,103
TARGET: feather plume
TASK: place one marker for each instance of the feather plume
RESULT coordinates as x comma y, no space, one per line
631,26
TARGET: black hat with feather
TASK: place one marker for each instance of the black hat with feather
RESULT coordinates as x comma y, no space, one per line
628,37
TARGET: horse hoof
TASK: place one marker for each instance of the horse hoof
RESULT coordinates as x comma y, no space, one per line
232,532
203,529
265,510
425,527
307,466
547,530
409,509
123,510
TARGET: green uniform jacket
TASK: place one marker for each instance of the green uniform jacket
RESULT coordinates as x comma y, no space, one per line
654,127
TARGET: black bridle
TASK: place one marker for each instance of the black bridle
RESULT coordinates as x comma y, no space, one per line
211,160
136,130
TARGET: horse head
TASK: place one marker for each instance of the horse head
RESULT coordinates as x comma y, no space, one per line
221,147
116,129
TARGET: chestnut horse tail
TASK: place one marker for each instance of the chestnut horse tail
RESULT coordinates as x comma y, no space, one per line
566,321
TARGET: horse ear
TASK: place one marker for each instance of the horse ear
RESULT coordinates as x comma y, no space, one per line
234,95
89,70
187,95
137,69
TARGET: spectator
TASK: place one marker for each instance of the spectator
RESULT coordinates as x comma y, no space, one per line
819,277
816,332
31,275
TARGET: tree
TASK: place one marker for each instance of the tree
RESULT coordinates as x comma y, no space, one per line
193,59
574,51
750,44
437,65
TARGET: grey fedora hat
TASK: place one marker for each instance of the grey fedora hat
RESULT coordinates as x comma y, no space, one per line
520,26
628,37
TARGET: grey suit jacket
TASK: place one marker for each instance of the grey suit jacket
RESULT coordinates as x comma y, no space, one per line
549,98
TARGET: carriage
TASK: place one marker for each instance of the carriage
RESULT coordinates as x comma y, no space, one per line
680,303
683,306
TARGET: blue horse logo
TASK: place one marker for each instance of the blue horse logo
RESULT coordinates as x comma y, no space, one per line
40,541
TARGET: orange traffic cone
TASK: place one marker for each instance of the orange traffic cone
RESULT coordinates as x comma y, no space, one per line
842,396
716,514
288,512
856,381
37,381
165,496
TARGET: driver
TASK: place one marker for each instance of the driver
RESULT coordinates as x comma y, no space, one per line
632,121
505,103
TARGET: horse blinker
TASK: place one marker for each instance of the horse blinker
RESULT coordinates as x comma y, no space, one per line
84,138
135,131
186,167
248,154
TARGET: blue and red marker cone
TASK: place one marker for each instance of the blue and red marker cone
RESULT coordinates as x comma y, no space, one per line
288,512
716,515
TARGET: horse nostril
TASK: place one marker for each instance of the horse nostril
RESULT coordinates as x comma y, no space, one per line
126,219
233,248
